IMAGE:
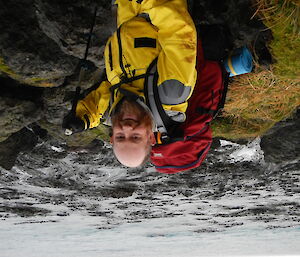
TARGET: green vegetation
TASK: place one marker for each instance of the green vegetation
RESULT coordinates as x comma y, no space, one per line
76,140
32,81
259,100
7,70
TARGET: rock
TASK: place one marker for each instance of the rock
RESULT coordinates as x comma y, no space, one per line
239,24
76,140
15,115
23,140
282,142
42,41
20,105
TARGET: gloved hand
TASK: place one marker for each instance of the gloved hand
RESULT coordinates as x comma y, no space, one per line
72,124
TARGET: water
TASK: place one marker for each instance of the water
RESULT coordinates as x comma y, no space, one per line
54,202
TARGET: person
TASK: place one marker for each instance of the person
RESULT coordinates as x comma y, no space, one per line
155,43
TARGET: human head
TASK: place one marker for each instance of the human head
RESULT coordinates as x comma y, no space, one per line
132,134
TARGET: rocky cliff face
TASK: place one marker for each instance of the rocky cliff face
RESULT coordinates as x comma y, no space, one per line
42,43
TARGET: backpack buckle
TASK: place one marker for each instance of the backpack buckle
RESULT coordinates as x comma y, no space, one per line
162,138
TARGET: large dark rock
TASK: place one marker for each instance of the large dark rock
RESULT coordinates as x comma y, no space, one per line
23,140
282,143
20,105
238,22
41,42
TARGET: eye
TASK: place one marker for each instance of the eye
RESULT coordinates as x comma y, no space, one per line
136,137
119,137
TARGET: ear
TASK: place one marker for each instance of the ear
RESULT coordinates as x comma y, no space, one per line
111,140
152,139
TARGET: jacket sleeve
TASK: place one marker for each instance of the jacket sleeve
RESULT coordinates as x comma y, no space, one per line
178,40
126,10
93,106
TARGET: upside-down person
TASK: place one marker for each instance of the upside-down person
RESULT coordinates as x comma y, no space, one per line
154,47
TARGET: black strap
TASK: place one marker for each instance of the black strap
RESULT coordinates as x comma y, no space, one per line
225,81
162,120
75,100
150,98
225,86
110,57
225,76
88,123
202,110
129,94
126,80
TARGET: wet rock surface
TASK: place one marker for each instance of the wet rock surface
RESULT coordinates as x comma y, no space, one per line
282,142
44,40
20,106
42,44
234,187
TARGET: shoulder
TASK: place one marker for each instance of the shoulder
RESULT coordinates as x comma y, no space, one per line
173,92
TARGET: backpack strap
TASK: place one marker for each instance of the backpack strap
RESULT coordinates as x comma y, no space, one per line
225,75
202,110
163,121
125,81
212,112
125,92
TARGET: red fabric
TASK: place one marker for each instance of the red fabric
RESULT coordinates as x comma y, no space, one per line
182,155
190,152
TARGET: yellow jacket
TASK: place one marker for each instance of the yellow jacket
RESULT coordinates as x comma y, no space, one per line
147,30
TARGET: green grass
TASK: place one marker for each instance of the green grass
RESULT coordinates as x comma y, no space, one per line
257,101
285,24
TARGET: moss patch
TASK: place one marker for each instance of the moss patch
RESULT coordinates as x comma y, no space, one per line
78,139
7,70
32,81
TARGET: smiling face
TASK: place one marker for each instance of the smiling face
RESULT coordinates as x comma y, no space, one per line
132,134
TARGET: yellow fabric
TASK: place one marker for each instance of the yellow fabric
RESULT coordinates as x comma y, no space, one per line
94,105
138,58
230,66
175,34
118,96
